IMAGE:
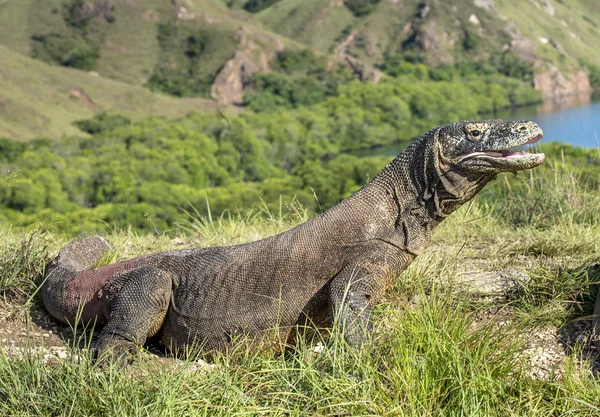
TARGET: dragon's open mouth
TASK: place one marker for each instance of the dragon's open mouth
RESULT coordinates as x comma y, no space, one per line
514,152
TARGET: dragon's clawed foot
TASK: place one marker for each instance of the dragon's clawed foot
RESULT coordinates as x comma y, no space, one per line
114,350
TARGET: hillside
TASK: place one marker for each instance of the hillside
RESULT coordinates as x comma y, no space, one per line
41,100
444,31
211,48
170,46
124,32
556,37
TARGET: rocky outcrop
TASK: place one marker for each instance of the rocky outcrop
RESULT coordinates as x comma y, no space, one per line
80,94
437,43
255,52
524,48
553,83
364,71
93,9
228,87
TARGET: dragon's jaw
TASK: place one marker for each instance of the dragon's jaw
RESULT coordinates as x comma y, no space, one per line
513,158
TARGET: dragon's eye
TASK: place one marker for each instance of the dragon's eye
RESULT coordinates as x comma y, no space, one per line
475,133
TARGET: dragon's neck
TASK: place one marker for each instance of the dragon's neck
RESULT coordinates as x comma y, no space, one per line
411,196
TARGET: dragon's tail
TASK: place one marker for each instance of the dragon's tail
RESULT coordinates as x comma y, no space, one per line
81,254
63,300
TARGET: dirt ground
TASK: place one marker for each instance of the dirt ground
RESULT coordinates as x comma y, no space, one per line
36,333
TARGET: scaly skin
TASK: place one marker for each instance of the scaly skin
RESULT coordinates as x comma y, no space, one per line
334,265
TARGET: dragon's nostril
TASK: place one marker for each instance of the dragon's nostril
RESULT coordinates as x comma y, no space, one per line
523,128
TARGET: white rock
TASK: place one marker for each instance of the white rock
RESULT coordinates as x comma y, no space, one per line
485,4
474,19
203,366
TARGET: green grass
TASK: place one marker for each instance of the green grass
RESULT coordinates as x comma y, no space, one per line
312,22
436,351
129,51
321,25
577,35
128,46
35,101
22,262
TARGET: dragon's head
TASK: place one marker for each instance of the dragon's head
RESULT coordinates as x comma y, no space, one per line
489,146
459,159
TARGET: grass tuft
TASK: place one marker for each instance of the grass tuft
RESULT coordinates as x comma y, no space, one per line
23,259
436,350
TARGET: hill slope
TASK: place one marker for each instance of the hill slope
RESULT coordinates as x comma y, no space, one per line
156,41
443,31
37,99
212,48
126,35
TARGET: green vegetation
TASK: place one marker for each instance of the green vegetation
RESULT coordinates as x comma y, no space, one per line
127,43
505,64
190,56
102,122
594,74
35,99
301,79
304,80
254,6
113,165
361,7
75,35
145,174
436,350
441,31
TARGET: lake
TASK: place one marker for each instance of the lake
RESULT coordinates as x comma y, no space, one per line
573,119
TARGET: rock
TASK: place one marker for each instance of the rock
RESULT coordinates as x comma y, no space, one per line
94,9
553,83
494,283
549,7
61,353
474,19
364,71
228,87
202,366
178,241
524,49
557,46
185,14
485,4
430,38
82,96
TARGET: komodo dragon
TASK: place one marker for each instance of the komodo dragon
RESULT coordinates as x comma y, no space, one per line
339,262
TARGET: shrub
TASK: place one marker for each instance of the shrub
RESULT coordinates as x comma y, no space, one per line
361,7
254,6
102,122
83,58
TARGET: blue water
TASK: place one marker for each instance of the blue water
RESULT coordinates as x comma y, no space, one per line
575,121
579,126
